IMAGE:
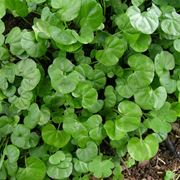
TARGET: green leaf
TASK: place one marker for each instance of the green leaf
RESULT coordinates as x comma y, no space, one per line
54,137
146,22
101,168
110,97
34,48
12,152
164,62
142,150
88,153
62,170
143,68
20,136
34,168
33,117
2,8
65,84
160,120
168,83
15,5
171,24
177,45
137,2
14,40
122,87
131,116
113,131
64,37
89,98
114,48
80,166
148,98
57,157
91,15
68,10
139,42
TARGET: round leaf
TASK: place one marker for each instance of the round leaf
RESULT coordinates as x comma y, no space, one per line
34,168
142,150
54,137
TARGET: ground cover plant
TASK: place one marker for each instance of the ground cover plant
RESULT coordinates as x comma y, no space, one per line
85,84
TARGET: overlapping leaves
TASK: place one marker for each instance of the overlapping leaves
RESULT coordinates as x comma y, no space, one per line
82,83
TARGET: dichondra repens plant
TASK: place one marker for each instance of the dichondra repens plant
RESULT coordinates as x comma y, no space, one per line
85,83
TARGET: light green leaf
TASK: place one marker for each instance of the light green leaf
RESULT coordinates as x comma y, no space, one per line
68,10
101,168
88,153
113,131
34,48
89,98
148,98
138,42
15,5
143,68
57,157
80,166
164,62
146,22
122,86
171,24
160,120
131,116
12,152
20,136
137,2
33,117
64,37
114,48
54,137
142,150
62,170
177,45
34,168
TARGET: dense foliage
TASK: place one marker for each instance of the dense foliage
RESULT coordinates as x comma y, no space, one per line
85,85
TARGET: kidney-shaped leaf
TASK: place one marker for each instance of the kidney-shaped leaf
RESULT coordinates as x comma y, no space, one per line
88,153
114,48
101,168
148,98
68,10
146,22
171,24
142,150
35,168
54,137
143,68
164,61
131,116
